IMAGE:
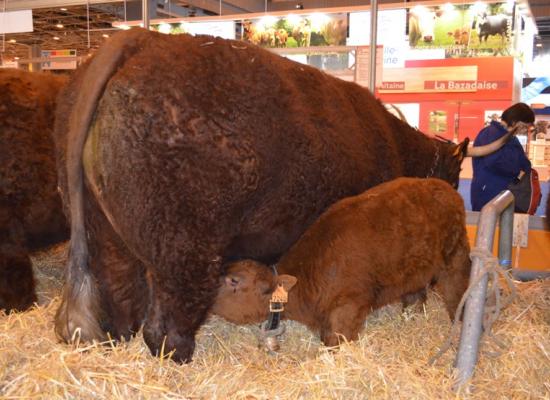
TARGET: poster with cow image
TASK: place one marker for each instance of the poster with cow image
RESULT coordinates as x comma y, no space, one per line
480,28
297,30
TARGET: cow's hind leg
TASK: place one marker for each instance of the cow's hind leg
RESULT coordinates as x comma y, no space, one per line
181,295
16,278
112,297
122,285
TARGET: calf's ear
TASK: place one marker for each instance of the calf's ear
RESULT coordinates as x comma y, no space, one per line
288,281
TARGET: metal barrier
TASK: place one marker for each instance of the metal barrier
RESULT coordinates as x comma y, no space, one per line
501,207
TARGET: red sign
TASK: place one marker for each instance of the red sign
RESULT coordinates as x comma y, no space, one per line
467,86
392,85
486,79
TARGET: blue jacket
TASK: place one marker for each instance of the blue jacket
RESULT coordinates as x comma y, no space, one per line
494,172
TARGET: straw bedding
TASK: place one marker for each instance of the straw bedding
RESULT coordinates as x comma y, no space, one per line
389,361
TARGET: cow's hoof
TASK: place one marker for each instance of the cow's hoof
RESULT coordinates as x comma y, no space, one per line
162,344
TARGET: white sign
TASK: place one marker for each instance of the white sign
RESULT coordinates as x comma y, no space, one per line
223,29
390,28
362,66
425,54
16,21
390,33
59,59
394,56
10,64
521,230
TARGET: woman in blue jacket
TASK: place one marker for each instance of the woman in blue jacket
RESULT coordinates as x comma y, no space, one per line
493,173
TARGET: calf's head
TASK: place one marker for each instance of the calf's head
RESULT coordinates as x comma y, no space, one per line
245,291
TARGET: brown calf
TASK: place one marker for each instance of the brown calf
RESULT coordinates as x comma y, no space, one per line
385,245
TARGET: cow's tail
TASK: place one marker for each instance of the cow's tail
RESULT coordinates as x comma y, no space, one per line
78,315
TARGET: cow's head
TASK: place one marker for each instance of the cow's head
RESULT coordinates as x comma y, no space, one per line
449,156
245,291
448,160
425,22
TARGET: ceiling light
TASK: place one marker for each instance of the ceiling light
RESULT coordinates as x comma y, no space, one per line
448,7
16,58
59,25
63,9
105,35
539,45
56,38
12,41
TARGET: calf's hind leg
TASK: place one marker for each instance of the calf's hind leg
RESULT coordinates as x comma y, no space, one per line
181,293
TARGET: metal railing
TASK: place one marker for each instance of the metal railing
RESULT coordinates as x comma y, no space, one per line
500,208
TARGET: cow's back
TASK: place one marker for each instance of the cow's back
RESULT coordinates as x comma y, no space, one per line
234,138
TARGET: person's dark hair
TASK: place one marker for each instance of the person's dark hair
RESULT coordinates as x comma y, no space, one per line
518,112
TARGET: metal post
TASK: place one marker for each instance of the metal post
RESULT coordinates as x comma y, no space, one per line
505,238
88,22
475,304
145,13
35,51
373,34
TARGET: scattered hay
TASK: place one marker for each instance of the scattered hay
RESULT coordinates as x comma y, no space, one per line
48,268
388,362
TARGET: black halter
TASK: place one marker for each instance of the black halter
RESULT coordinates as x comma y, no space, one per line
276,307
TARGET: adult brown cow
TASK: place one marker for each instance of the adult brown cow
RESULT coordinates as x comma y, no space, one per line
198,151
384,245
31,214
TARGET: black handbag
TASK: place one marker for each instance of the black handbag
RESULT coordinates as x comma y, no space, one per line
526,191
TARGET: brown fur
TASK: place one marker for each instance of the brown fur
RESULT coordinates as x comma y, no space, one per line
31,215
364,252
201,152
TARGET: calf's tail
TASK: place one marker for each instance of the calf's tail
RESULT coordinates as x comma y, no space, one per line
79,312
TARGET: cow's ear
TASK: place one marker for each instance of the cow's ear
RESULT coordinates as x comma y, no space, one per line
288,281
461,150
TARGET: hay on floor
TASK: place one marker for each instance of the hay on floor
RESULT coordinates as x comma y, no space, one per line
388,362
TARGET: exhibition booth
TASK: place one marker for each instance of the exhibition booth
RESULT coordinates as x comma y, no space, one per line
449,67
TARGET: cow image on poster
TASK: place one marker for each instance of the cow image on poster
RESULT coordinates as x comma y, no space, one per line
385,245
461,36
31,213
178,155
422,24
489,25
